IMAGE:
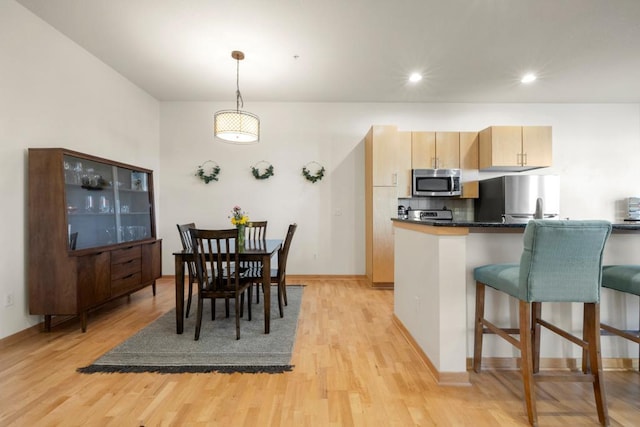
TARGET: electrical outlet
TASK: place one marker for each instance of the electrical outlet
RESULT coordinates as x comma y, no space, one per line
8,299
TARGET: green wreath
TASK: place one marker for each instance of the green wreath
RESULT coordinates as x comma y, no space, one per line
315,177
208,177
256,171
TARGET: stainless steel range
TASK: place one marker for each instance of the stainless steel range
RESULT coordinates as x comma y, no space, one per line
430,215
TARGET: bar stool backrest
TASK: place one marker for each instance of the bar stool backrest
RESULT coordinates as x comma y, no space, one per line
562,260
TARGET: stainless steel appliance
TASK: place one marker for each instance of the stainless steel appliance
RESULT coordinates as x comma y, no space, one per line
430,214
436,182
518,198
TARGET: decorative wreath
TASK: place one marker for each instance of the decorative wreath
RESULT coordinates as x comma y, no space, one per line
268,172
315,177
212,174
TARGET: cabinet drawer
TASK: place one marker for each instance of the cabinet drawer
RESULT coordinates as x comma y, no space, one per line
119,256
118,271
125,284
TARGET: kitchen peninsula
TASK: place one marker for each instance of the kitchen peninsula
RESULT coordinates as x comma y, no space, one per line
434,292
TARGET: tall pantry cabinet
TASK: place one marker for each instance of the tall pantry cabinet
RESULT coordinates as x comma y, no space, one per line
92,233
387,177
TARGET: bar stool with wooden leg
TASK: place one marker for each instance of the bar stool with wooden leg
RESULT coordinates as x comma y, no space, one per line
561,262
622,278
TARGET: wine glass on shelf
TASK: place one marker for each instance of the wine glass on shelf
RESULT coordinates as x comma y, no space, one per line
78,172
67,171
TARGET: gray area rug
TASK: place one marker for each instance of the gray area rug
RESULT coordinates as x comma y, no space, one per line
157,348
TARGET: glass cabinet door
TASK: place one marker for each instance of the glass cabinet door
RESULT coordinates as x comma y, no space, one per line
133,204
106,204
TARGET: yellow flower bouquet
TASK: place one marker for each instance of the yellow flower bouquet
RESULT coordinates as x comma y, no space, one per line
239,217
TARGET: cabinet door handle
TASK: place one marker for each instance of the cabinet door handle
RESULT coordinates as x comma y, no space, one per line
394,178
126,277
524,159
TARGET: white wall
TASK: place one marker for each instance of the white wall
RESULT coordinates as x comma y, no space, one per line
55,94
595,151
330,234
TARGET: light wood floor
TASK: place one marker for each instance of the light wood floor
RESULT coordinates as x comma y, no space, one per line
352,367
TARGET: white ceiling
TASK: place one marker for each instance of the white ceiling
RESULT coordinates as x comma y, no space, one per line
362,50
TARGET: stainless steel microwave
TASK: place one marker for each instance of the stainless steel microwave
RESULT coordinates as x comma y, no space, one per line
436,182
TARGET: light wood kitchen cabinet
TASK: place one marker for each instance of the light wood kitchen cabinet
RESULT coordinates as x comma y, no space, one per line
403,164
515,148
469,146
380,262
383,156
388,159
470,190
92,234
387,177
435,150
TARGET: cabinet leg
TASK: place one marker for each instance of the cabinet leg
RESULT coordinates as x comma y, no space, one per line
83,321
153,287
47,323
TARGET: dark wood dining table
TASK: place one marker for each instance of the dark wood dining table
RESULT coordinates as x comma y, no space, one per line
254,250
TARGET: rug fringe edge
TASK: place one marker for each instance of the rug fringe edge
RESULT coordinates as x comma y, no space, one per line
111,369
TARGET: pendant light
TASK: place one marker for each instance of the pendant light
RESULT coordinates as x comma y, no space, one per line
237,126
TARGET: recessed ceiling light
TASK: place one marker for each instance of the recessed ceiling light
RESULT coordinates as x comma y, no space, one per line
415,77
528,78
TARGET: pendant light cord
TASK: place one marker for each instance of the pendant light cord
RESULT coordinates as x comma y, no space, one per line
239,101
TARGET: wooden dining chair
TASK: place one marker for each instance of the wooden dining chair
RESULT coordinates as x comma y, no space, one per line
216,272
255,231
283,254
279,275
561,262
185,239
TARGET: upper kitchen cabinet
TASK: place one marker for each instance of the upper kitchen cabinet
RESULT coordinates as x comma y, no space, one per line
469,146
388,159
515,148
435,150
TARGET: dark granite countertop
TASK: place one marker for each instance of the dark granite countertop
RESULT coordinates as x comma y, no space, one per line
623,226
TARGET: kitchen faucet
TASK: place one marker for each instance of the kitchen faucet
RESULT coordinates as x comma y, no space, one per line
538,213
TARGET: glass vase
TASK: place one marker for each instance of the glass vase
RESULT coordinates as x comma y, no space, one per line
241,236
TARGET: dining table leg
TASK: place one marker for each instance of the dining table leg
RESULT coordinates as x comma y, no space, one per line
266,285
179,271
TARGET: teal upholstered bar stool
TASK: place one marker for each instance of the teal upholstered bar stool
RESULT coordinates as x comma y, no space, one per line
561,262
622,278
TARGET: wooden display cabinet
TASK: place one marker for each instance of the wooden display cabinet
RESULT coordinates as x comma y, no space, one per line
92,233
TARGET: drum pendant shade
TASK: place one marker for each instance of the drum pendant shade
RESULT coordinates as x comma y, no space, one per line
237,126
